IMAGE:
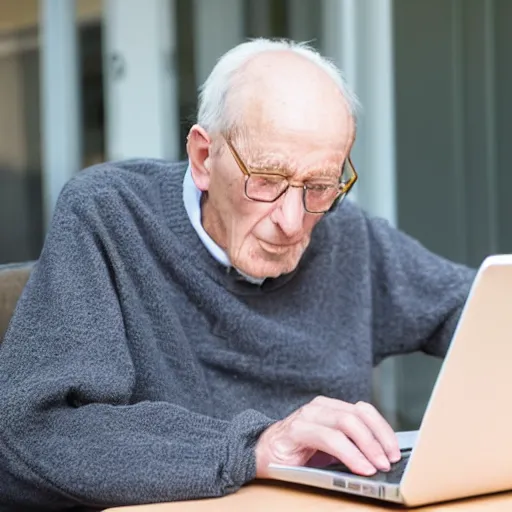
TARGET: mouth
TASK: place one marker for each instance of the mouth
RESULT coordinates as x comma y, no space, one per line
276,248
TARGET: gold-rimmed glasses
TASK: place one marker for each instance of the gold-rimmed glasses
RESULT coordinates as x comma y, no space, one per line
317,197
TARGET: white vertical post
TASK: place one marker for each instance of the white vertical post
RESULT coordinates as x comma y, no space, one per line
140,69
340,44
378,192
211,41
376,89
60,99
359,37
339,34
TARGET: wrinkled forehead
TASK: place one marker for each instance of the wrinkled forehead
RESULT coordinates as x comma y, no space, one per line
319,162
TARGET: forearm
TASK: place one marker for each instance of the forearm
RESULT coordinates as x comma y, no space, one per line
418,295
440,341
82,421
104,456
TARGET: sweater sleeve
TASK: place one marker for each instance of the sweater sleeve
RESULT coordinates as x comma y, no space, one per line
417,296
70,433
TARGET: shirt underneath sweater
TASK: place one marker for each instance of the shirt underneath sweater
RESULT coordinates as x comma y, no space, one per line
137,369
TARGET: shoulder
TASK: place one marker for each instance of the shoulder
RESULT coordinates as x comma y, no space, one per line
115,176
129,181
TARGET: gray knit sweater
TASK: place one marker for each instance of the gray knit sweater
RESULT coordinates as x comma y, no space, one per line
138,369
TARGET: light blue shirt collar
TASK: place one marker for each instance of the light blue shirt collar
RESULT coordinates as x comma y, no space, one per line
192,201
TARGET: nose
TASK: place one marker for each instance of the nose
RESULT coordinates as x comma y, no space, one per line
290,213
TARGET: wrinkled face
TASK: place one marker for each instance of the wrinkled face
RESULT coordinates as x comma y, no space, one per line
306,142
267,239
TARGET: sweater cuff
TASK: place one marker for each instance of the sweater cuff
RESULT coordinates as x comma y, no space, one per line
242,436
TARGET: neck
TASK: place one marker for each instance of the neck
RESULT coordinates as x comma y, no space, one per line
211,222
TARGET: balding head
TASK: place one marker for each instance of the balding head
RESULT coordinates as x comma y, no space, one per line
284,94
229,73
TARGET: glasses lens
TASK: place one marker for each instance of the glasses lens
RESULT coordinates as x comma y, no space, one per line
265,187
348,175
319,198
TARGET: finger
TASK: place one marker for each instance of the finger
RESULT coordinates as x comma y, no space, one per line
343,417
380,428
359,433
333,442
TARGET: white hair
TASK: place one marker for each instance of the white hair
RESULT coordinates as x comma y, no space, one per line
213,115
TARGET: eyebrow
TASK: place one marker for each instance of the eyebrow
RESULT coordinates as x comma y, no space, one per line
323,173
271,166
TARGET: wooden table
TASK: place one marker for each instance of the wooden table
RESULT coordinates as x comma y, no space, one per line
279,497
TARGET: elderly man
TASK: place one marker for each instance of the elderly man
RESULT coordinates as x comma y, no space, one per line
188,324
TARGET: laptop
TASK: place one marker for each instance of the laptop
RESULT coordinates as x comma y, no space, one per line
463,447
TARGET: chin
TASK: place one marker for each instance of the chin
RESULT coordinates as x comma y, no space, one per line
261,267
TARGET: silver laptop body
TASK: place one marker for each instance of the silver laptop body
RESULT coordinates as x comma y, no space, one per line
451,457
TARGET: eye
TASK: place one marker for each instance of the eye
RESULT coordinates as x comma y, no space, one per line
320,187
266,181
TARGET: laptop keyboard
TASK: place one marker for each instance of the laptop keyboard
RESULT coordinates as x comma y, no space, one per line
393,476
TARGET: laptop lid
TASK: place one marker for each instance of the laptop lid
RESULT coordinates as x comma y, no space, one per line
464,446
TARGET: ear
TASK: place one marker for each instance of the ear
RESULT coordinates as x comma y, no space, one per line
198,149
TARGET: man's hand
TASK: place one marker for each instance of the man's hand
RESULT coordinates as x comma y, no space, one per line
357,435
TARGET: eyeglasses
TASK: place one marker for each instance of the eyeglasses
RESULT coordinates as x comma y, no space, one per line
317,197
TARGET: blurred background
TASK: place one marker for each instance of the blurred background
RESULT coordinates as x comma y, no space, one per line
84,81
